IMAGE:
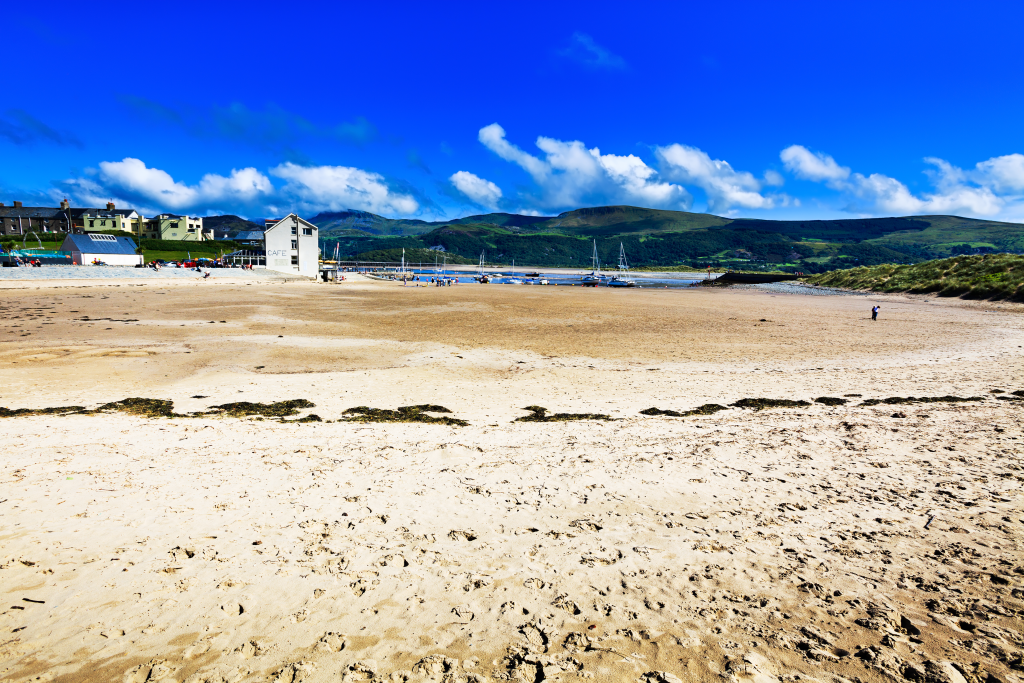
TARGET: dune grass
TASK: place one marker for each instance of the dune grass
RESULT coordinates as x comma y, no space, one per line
987,276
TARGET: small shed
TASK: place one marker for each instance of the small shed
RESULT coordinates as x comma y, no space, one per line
109,249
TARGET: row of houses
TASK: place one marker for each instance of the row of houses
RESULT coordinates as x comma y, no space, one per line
286,245
289,245
23,220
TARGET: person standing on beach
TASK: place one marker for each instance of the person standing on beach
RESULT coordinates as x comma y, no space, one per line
874,312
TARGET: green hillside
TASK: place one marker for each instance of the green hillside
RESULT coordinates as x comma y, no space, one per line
615,220
230,224
656,238
413,256
343,223
988,276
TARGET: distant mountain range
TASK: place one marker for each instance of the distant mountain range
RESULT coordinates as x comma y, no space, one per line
654,237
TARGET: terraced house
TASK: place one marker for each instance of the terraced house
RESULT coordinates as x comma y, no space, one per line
110,218
22,220
169,226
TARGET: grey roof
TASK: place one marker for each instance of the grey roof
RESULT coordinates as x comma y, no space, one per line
249,235
87,245
30,212
105,213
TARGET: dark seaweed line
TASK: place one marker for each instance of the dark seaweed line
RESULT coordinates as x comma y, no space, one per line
757,404
403,414
158,407
539,414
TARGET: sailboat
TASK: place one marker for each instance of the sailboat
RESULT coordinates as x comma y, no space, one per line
593,279
512,279
482,277
622,279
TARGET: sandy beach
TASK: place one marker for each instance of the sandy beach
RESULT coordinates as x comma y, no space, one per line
815,542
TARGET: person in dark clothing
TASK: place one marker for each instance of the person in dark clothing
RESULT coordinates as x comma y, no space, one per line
874,312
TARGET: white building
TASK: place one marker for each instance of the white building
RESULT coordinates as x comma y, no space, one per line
292,245
108,249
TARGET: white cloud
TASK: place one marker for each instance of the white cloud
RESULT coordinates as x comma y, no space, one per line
774,178
333,188
481,191
570,175
724,186
984,191
493,138
307,189
1003,174
130,182
803,163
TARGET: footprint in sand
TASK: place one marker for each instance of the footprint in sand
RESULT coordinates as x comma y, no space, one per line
292,673
153,670
329,643
251,648
218,675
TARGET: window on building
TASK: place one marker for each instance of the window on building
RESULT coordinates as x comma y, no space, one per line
92,224
294,230
307,231
191,229
295,260
295,244
104,222
174,224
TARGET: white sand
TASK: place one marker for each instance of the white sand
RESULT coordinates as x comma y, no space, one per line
750,546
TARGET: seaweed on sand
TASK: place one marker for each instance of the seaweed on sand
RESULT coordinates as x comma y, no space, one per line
312,417
144,407
831,401
28,412
403,414
706,409
763,403
903,400
160,407
658,411
538,414
245,408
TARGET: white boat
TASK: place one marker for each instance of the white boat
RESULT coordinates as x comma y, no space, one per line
594,278
482,277
622,279
512,279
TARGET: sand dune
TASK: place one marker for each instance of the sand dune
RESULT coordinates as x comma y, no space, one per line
830,543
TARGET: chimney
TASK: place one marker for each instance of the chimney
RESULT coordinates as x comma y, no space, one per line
110,206
64,204
17,204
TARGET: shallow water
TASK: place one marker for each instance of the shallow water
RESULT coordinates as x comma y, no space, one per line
563,279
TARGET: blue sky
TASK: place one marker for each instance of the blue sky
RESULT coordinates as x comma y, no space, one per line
770,110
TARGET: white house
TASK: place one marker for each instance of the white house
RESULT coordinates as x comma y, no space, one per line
292,245
114,251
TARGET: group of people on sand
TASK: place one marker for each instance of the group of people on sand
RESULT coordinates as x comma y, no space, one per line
434,281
